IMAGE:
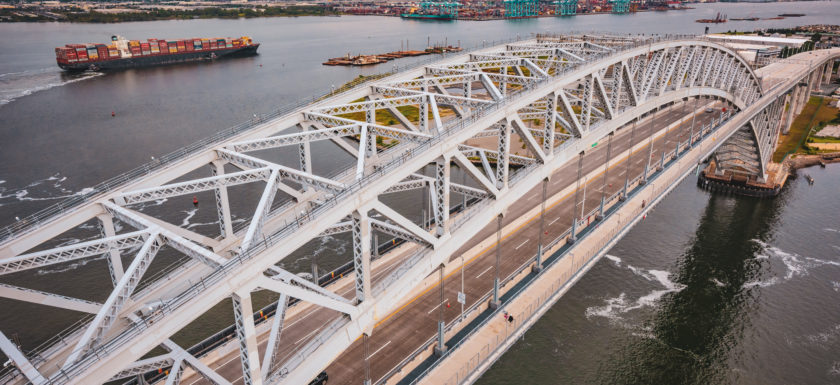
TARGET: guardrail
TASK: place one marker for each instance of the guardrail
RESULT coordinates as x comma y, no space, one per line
578,262
43,216
309,215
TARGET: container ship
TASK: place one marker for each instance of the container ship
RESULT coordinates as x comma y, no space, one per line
123,53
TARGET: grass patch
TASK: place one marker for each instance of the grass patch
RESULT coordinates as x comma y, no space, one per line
798,130
815,115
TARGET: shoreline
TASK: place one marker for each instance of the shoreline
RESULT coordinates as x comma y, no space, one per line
805,161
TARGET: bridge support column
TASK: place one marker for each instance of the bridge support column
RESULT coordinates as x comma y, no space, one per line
802,98
808,88
249,355
502,83
361,255
573,234
538,263
217,167
273,344
818,76
370,138
442,174
440,348
504,153
789,102
424,116
305,155
494,302
829,67
115,266
600,215
550,121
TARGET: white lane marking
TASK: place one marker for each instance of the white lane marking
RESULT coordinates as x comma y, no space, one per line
300,319
482,273
555,220
306,336
380,348
521,244
433,309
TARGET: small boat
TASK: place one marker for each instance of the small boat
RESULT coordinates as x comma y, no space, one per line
809,179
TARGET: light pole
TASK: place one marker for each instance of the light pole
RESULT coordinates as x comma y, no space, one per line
538,265
441,347
606,173
629,161
494,303
650,148
573,235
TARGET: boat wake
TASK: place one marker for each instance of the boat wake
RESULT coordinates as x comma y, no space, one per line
617,306
15,85
795,265
50,188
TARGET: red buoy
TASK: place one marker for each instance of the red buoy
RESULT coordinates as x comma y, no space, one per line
113,113
195,201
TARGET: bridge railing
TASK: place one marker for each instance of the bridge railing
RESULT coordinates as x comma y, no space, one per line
37,219
578,261
94,355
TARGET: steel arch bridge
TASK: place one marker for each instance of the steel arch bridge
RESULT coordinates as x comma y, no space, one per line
558,95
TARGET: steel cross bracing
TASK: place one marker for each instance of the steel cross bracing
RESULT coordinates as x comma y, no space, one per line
428,116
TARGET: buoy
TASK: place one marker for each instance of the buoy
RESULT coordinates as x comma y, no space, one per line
260,65
447,304
113,113
195,201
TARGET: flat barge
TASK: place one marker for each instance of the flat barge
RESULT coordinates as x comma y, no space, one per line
364,60
122,53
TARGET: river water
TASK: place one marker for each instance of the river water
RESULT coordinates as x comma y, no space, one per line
707,289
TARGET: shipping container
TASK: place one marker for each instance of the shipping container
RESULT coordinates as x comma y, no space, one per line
108,55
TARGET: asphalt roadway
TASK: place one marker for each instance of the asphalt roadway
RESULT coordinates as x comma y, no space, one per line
409,327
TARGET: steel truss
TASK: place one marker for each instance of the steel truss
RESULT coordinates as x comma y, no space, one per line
557,95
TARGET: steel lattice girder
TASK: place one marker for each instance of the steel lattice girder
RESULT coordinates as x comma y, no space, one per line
374,187
73,252
121,293
246,162
297,138
388,132
193,186
144,366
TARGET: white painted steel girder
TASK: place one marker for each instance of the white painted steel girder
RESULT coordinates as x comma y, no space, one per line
74,252
357,199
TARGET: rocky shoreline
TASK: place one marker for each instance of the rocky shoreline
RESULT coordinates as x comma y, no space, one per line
804,161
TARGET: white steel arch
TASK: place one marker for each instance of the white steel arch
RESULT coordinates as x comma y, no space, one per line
558,95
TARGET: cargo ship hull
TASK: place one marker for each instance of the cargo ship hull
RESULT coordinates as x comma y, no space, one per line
156,60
